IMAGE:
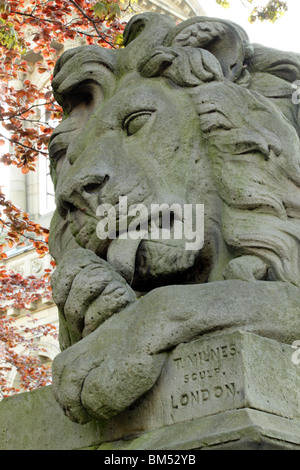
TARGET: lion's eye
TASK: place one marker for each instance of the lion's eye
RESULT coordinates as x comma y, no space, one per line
136,121
83,94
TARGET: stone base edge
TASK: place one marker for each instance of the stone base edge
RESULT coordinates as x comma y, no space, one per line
244,429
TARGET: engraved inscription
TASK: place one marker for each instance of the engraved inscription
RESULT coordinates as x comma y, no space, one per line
206,378
223,372
206,355
201,374
197,397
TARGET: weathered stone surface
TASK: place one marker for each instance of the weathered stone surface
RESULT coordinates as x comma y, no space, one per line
185,114
217,373
234,389
227,372
123,369
34,421
243,429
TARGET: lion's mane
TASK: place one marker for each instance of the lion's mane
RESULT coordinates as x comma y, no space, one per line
250,127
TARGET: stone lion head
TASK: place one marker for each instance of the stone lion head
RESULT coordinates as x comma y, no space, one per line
188,114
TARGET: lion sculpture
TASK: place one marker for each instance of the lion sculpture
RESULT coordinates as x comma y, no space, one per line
186,114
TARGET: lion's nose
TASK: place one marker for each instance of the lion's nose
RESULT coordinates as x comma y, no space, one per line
95,186
81,193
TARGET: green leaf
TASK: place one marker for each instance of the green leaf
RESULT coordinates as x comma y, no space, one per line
223,3
114,9
100,9
119,40
3,6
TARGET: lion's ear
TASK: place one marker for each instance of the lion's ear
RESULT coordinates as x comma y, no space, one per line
225,40
143,33
275,75
150,28
282,64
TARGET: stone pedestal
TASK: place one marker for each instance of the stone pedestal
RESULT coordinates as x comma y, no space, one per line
229,390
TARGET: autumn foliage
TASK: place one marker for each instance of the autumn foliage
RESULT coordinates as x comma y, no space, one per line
269,10
18,350
18,292
18,347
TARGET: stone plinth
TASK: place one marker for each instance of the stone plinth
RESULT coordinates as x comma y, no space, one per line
226,390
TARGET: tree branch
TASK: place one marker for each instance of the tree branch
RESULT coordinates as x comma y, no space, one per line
31,239
25,111
91,21
23,145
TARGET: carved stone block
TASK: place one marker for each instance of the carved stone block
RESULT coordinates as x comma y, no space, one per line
222,372
233,390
